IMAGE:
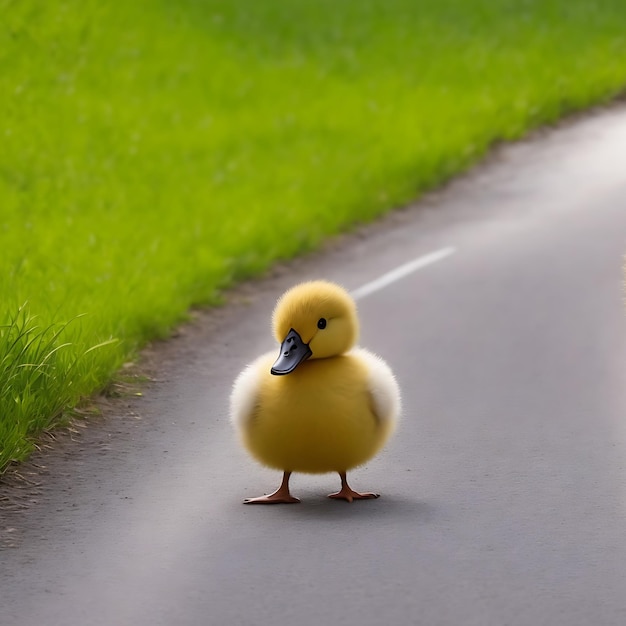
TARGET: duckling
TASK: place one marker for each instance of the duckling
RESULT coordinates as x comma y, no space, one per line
322,405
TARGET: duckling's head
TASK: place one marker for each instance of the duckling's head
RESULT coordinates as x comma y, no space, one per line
313,320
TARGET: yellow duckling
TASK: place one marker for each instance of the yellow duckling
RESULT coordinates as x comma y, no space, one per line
322,405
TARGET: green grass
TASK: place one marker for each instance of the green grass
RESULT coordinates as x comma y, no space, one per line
153,152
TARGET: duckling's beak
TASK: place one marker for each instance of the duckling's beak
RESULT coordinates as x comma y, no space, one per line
292,352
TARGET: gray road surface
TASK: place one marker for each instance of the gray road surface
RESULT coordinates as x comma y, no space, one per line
503,493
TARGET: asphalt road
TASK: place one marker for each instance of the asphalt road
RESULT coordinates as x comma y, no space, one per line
503,493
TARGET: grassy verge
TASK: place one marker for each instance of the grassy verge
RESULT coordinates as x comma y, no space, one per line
153,152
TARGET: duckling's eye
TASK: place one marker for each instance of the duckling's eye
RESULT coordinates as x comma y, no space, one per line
321,323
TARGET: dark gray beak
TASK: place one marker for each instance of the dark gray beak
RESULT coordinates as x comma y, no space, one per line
292,352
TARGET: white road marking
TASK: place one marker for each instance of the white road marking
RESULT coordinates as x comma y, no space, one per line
402,271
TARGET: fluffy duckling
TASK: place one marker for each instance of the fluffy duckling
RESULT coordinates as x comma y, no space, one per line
322,405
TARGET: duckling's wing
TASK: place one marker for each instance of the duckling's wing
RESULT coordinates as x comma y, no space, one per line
244,397
382,386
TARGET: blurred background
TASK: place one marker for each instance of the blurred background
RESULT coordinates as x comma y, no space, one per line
153,152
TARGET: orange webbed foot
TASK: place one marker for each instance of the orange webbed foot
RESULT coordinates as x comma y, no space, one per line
347,493
280,496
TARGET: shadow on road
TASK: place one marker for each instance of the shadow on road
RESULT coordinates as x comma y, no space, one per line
313,506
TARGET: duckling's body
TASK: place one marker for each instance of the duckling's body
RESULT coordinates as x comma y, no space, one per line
321,418
332,410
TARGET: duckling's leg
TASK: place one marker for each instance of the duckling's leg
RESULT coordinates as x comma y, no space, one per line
347,493
280,496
